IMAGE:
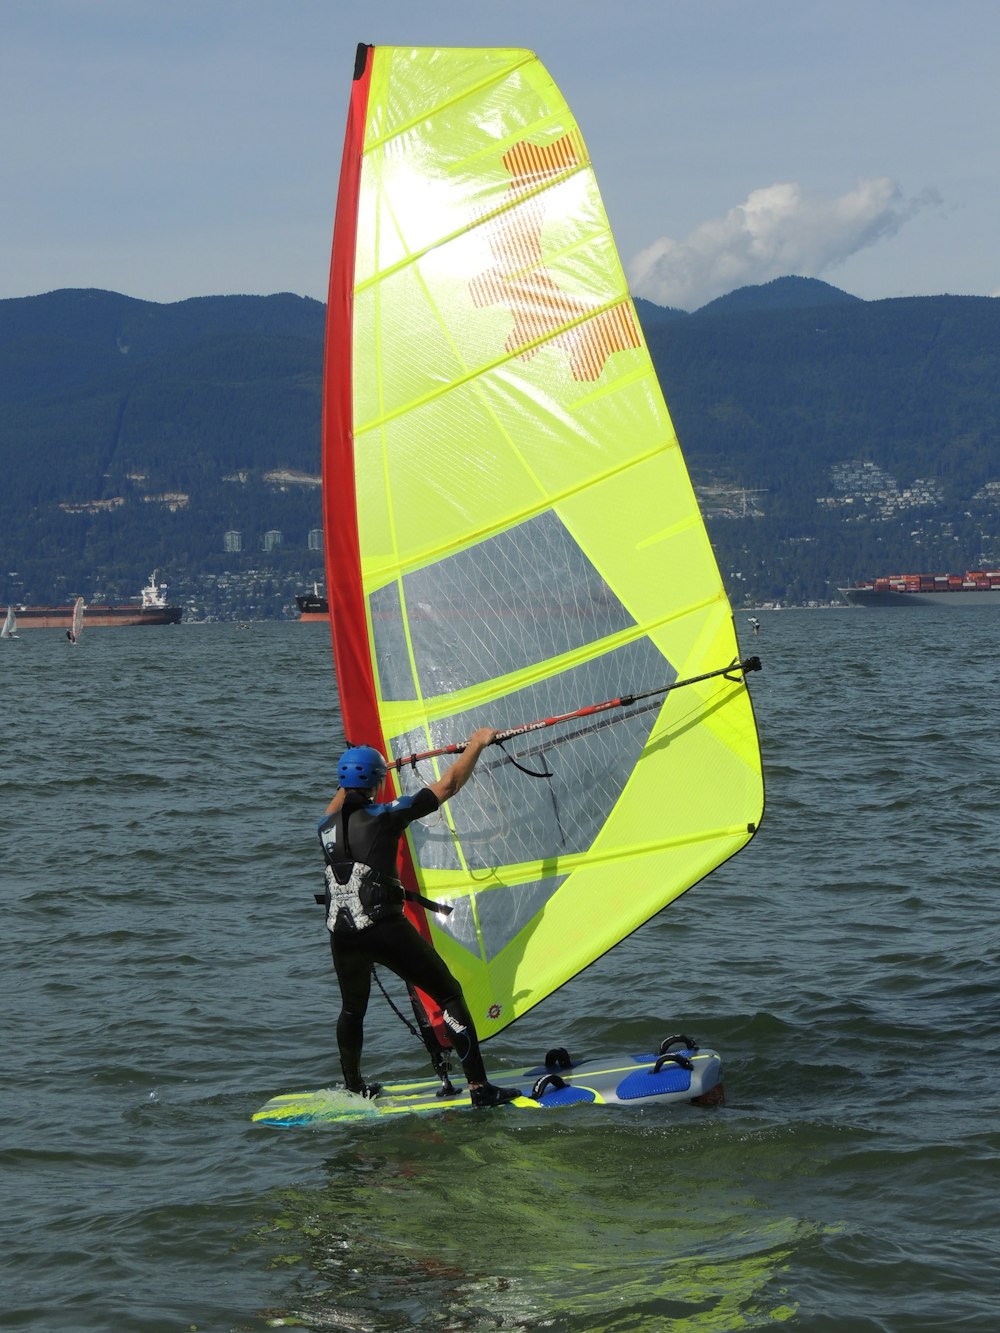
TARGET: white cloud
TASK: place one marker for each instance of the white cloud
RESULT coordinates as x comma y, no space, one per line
776,231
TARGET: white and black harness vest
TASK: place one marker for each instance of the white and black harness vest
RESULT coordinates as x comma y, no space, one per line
360,846
357,895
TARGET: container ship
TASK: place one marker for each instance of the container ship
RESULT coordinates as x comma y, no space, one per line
149,608
313,605
974,588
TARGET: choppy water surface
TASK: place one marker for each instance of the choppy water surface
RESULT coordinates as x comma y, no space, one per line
165,971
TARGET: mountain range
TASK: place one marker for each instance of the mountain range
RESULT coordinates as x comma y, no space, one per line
829,438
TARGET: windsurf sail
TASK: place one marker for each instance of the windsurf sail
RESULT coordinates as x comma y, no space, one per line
9,628
77,627
511,533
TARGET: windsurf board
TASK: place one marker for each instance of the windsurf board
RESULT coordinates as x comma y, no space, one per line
666,1077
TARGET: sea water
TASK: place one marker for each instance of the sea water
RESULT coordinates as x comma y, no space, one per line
165,971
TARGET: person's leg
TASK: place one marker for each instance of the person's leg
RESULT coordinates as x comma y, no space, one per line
354,975
400,947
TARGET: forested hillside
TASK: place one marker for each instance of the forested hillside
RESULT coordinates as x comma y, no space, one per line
869,432
136,435
829,438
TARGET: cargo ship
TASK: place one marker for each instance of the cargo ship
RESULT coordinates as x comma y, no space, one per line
313,605
149,608
974,588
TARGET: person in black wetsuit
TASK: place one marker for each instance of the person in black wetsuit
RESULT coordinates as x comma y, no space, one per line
364,909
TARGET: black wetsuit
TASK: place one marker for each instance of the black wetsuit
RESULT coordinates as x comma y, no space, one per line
364,914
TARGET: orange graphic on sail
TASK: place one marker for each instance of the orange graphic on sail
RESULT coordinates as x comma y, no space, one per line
540,309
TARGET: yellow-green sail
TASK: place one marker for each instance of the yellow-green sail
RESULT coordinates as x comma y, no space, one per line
511,531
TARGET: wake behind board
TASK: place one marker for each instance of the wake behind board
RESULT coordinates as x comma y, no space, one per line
669,1076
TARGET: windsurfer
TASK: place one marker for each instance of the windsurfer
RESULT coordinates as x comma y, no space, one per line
364,909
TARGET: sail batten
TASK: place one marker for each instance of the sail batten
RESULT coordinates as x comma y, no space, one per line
376,141
378,574
531,345
409,260
449,888
512,534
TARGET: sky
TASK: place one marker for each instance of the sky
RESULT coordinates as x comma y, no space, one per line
175,148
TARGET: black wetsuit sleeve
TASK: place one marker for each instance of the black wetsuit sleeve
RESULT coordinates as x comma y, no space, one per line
409,808
424,803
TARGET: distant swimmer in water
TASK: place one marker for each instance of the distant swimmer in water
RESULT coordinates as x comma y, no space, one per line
755,624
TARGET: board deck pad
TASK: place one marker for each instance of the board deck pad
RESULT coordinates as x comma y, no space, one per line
616,1080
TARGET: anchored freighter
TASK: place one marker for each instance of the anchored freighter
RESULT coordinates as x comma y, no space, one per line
974,588
150,608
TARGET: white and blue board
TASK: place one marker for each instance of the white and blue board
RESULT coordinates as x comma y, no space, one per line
669,1076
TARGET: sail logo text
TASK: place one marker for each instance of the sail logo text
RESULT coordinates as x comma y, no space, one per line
519,281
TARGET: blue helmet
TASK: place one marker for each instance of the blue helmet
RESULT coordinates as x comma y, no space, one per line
361,766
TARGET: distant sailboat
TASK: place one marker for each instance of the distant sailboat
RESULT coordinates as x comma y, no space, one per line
9,630
74,634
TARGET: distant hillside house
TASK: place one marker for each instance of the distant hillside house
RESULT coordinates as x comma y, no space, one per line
284,478
93,506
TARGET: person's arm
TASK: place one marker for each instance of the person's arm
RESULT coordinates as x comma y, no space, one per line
457,774
336,801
